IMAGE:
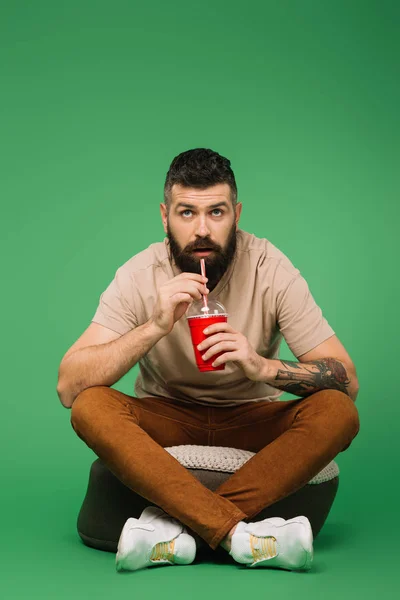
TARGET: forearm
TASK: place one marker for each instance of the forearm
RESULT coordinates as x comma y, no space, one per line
104,364
303,379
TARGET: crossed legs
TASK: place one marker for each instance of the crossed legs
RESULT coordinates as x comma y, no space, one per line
293,441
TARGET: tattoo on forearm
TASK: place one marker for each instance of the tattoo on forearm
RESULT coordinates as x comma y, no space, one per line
312,376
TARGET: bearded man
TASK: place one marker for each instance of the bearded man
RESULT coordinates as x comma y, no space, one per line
141,320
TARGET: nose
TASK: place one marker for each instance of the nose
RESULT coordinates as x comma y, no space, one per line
202,229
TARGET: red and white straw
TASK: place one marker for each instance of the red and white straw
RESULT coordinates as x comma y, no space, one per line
203,272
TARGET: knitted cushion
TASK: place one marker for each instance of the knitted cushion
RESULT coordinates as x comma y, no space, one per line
229,460
108,503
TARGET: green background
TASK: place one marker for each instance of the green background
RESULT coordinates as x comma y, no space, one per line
96,100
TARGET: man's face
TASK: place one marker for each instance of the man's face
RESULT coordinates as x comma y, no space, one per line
202,219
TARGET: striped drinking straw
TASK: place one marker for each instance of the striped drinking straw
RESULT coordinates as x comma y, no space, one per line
203,272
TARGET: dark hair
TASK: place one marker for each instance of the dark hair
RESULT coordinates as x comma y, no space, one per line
199,168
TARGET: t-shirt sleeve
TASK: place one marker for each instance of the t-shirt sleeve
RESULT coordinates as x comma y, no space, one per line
300,319
116,308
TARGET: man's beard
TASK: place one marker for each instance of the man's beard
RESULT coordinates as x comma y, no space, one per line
216,263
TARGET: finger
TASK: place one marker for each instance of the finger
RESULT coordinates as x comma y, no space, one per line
180,297
224,358
193,288
214,339
224,326
232,346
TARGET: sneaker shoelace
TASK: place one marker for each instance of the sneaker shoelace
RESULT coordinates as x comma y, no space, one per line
262,547
163,551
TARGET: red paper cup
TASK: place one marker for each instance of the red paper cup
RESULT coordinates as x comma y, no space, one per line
197,326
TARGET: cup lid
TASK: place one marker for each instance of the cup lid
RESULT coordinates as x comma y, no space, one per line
197,309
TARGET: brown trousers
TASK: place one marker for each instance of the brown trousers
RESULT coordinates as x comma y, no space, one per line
293,441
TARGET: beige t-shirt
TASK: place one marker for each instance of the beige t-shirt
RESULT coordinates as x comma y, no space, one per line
266,299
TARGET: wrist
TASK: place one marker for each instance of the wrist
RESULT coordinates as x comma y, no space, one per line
265,370
153,330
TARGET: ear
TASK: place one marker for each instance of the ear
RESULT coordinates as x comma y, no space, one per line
238,212
163,211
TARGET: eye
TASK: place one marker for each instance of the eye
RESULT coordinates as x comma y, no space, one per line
187,210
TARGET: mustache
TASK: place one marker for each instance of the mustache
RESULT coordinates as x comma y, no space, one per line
202,247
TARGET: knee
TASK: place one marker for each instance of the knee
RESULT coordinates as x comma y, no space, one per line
85,406
343,411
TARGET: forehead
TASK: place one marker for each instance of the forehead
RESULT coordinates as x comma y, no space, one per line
215,193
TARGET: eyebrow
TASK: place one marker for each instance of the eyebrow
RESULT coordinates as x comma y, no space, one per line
186,205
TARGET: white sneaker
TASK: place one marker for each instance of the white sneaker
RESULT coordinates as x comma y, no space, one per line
154,539
274,542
